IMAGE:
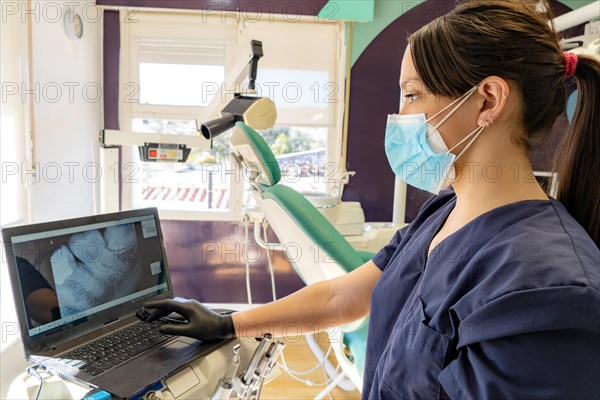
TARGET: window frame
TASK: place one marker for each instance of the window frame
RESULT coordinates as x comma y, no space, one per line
166,22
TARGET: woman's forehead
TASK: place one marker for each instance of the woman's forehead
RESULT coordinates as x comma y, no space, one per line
408,72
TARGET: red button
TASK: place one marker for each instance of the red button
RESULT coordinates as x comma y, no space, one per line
152,153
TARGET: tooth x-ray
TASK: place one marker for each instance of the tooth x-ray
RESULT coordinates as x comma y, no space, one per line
80,273
91,268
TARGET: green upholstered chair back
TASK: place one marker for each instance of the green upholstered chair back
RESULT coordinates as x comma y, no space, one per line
258,157
319,251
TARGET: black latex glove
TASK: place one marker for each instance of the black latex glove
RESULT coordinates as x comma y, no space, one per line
202,323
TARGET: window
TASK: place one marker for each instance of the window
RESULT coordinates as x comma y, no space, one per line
301,152
177,84
300,140
176,63
196,185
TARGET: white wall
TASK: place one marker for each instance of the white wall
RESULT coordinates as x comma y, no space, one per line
12,190
67,124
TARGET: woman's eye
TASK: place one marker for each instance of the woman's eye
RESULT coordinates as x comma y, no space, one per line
410,97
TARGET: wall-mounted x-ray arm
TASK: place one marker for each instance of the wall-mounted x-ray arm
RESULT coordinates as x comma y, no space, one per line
229,105
245,67
257,112
233,103
155,146
152,147
226,108
112,137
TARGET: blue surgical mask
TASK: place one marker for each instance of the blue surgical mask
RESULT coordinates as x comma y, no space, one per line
416,151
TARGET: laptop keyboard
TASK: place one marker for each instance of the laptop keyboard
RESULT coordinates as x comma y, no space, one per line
115,349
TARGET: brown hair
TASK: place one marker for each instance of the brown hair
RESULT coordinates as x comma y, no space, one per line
513,40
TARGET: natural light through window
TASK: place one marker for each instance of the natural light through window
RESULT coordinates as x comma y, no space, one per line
179,84
199,184
301,153
297,88
303,99
179,65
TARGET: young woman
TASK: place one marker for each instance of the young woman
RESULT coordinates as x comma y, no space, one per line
493,290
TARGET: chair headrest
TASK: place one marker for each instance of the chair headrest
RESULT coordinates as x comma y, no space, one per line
251,151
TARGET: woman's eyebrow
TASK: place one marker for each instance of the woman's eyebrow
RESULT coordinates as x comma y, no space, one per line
410,82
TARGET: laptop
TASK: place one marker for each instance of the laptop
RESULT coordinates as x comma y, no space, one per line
77,286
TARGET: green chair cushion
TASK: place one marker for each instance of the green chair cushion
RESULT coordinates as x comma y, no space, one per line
315,225
365,255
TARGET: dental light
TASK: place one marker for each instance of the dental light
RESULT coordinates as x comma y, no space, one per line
257,112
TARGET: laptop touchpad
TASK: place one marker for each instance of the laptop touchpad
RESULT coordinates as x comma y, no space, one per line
171,354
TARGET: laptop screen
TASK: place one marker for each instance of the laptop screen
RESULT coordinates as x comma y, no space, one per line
68,274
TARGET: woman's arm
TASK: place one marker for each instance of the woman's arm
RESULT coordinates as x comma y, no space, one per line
313,308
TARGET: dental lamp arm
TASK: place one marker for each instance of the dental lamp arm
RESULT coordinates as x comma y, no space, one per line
257,53
236,76
257,112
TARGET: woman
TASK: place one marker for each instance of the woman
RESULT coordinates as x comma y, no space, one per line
493,290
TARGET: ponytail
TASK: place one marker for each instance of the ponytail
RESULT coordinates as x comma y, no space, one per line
577,162
455,52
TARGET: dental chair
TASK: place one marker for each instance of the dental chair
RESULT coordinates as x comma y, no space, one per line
316,250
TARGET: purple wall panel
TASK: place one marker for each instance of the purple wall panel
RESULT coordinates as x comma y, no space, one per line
207,262
374,93
285,7
110,52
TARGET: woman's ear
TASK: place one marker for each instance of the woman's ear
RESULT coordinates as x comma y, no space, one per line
494,91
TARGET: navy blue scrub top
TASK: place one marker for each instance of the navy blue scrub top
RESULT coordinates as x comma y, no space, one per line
506,307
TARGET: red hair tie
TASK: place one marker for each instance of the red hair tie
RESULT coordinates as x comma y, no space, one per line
570,63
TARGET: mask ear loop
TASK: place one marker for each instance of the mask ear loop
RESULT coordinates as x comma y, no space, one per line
476,132
462,99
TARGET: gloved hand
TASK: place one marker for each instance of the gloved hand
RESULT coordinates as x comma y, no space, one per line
202,323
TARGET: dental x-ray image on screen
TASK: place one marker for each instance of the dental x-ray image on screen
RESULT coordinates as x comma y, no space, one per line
72,274
94,267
